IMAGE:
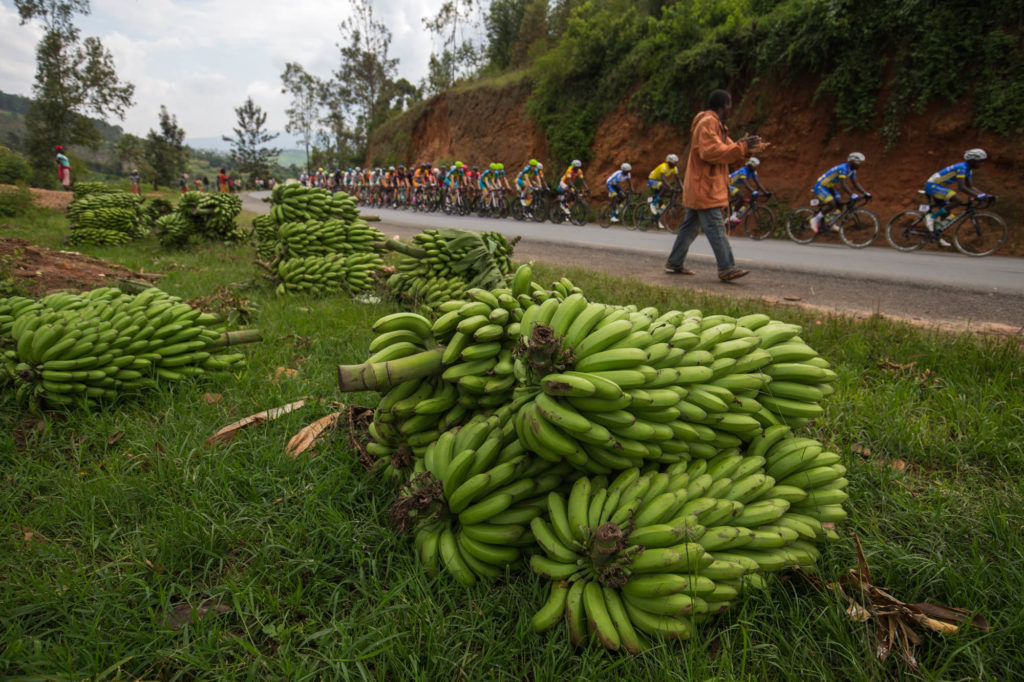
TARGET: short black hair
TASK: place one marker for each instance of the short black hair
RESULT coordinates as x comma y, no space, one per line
719,99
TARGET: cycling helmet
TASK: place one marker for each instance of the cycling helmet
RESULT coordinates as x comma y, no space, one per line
493,166
501,166
753,162
540,166
625,168
429,164
671,158
975,155
577,163
391,169
855,157
458,164
533,162
476,168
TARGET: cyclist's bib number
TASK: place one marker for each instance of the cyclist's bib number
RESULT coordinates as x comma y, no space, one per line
924,208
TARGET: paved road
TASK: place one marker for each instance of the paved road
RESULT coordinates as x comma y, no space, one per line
943,287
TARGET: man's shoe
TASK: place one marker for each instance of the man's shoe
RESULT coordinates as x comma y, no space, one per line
816,223
673,270
732,273
654,210
614,219
929,222
943,242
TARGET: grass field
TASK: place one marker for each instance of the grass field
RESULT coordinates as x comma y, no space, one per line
112,520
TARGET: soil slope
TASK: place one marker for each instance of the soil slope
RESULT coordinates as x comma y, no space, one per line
489,122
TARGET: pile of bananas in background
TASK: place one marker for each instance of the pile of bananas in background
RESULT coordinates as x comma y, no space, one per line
204,215
442,264
82,189
316,242
648,463
110,217
98,346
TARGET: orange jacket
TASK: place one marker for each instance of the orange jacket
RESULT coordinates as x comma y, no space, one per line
706,184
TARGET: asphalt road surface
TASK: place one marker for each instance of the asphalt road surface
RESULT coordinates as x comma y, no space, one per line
930,287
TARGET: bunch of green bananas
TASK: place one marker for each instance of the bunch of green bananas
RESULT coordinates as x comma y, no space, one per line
82,189
295,203
79,349
212,215
657,467
323,237
173,230
321,275
268,245
99,236
659,551
439,260
93,202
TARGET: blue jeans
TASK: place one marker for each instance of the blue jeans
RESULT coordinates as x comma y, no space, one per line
714,227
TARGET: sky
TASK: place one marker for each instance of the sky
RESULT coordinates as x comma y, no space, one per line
202,58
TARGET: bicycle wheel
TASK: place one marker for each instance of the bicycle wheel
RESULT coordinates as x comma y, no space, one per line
759,223
557,214
906,231
642,218
858,228
605,217
578,212
980,235
672,217
540,209
799,226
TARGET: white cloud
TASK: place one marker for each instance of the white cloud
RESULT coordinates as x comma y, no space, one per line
202,60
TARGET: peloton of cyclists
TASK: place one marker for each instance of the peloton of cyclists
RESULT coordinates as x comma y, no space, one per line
619,183
827,189
940,188
572,174
740,180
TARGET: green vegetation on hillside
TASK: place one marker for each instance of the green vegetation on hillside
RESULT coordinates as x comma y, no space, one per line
893,56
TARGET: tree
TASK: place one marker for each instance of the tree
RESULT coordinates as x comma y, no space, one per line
131,153
304,113
502,22
74,76
458,57
247,150
366,70
165,151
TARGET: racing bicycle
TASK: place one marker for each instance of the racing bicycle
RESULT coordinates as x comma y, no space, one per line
622,208
857,227
577,208
668,216
758,221
975,233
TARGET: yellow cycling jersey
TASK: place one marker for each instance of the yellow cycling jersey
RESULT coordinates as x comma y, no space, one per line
663,172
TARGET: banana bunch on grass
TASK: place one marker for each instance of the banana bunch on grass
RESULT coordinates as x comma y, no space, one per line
98,236
473,497
655,552
321,275
212,216
295,203
173,230
82,189
323,237
82,349
268,243
438,259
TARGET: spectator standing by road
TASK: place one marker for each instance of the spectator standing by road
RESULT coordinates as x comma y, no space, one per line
706,186
133,180
63,168
206,184
183,183
222,181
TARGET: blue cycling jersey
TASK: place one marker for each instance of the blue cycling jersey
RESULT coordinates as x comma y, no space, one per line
950,174
835,174
528,169
617,178
736,178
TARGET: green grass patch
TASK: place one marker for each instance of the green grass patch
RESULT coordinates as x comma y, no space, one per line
111,520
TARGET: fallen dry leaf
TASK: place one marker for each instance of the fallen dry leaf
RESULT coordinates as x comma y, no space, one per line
154,567
116,437
861,450
30,535
309,436
792,298
212,398
285,373
183,614
229,431
899,465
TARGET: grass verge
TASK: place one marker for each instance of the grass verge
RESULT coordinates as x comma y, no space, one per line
114,521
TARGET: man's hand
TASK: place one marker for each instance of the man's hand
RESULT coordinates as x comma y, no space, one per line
753,142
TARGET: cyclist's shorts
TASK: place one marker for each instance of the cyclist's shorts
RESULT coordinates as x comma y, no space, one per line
824,194
520,183
733,190
562,188
654,184
937,191
482,185
614,190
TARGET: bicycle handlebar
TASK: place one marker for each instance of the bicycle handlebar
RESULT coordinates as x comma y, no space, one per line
982,203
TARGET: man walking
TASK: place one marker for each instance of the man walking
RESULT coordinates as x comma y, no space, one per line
706,186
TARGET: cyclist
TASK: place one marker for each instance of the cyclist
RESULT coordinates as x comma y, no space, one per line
740,180
573,173
528,179
826,189
618,183
657,179
502,178
940,188
456,175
